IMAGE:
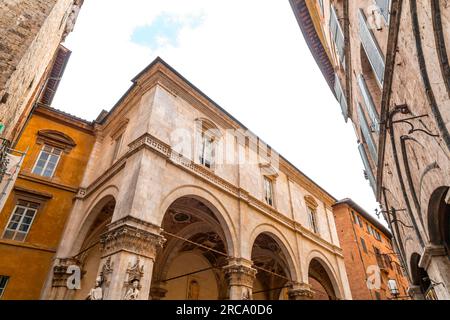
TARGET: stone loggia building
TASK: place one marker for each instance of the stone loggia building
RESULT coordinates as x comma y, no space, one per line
31,32
180,201
387,62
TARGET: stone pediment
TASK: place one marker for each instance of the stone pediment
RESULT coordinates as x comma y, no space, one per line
57,139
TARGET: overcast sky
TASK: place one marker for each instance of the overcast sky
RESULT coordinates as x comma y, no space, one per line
248,56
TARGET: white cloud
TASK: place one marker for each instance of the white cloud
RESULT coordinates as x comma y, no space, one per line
249,56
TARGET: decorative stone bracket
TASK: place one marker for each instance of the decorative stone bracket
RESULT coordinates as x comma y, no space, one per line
429,252
60,275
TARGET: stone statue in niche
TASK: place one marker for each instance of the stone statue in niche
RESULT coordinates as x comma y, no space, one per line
246,295
97,292
135,274
133,292
193,290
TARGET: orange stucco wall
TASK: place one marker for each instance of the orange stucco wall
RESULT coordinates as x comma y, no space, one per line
27,263
357,260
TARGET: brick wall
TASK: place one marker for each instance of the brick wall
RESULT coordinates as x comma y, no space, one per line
358,260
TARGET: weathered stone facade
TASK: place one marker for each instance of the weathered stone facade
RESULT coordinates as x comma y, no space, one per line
181,228
30,34
391,61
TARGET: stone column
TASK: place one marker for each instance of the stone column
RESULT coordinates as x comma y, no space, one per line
158,291
301,291
240,277
435,261
66,278
129,248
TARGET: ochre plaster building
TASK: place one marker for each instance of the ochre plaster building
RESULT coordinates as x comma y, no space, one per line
37,210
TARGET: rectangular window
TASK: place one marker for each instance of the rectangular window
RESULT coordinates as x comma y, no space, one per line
379,257
377,235
321,5
354,217
340,96
337,34
268,191
368,169
21,220
47,161
367,134
3,283
371,47
312,217
360,221
369,103
363,244
385,8
206,151
117,146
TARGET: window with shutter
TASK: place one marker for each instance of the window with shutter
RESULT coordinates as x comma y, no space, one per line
340,96
385,8
368,170
370,105
337,34
321,5
367,134
371,47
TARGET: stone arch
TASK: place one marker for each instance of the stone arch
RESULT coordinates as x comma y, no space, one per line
282,242
419,276
107,194
212,202
439,218
331,284
195,229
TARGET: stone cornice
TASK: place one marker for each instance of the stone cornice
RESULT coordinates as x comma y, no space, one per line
65,118
153,144
164,150
24,175
28,246
161,74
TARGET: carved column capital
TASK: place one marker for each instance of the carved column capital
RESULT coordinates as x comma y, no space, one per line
134,236
301,291
158,291
240,273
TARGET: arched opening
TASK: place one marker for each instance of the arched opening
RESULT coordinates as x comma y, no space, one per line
370,79
90,253
420,277
320,281
190,266
274,278
439,218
